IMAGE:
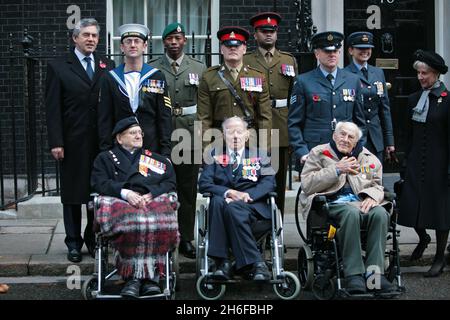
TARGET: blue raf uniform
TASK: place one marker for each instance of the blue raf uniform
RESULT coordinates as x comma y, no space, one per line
230,224
317,104
377,110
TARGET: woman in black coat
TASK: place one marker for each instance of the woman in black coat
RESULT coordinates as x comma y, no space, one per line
425,195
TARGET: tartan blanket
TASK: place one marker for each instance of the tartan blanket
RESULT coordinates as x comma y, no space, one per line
140,237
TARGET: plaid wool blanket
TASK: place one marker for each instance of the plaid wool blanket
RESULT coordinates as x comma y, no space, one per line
141,237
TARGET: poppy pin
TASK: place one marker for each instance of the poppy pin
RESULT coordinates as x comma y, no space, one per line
316,98
444,94
327,153
102,64
372,166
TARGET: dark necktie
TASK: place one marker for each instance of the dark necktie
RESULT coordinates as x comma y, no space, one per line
234,162
330,78
89,70
364,72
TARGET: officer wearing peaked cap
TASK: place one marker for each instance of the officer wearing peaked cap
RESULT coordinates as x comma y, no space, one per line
322,97
136,89
183,74
377,111
235,89
280,70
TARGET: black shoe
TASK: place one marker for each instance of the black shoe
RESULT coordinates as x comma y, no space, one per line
74,255
91,248
355,284
420,248
436,269
131,289
261,272
187,249
385,286
149,288
223,271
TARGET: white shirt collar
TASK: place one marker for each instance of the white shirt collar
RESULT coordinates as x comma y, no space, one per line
81,56
239,152
359,66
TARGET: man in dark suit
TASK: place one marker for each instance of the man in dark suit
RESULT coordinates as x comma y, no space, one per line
183,74
322,97
377,111
72,90
239,180
136,89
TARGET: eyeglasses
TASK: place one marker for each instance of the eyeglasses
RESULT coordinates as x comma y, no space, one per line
129,41
136,132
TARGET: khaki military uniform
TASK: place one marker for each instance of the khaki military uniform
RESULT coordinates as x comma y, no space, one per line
216,102
183,86
280,74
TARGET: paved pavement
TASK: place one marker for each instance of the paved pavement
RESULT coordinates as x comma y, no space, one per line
35,247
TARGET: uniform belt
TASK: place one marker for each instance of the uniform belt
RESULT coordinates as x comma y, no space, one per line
279,103
177,111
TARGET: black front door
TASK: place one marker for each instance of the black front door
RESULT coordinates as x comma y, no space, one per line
400,27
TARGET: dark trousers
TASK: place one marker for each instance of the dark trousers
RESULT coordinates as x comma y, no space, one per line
280,178
230,227
187,175
370,146
72,225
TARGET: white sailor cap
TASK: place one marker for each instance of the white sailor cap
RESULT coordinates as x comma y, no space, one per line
133,30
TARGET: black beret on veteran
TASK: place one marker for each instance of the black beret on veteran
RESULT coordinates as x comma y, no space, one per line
124,124
432,59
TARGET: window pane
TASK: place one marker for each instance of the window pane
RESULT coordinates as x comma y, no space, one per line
127,11
194,16
160,13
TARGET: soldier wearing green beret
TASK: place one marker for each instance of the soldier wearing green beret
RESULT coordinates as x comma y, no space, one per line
280,69
183,74
235,89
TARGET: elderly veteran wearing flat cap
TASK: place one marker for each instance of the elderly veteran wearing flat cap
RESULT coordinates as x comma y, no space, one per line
377,111
350,177
322,97
235,89
136,89
183,74
280,70
136,182
425,197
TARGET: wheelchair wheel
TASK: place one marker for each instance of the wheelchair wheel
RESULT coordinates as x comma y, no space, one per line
199,236
209,291
323,288
305,267
289,289
91,284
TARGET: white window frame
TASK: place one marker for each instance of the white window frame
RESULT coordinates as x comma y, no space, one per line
215,17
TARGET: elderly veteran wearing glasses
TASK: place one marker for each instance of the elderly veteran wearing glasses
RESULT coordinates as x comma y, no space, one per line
137,208
350,177
424,203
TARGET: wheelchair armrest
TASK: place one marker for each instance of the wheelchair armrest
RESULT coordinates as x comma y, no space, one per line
94,194
389,196
207,195
273,194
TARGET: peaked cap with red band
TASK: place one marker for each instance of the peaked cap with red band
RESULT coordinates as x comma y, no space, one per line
266,20
233,36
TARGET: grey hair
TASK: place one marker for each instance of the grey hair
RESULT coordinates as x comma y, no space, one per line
83,23
417,64
351,125
234,118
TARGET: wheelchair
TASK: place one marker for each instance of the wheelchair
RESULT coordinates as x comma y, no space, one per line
97,286
319,263
285,284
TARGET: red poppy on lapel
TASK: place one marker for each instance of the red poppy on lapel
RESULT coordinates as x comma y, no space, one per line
327,153
444,94
102,64
316,98
148,153
222,159
372,166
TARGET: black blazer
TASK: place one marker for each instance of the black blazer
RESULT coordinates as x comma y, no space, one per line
71,101
113,171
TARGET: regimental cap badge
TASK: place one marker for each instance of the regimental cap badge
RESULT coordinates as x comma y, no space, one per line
232,35
178,28
268,20
365,38
330,37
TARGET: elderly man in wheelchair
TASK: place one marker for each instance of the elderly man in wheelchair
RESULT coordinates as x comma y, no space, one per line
239,181
137,208
350,178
